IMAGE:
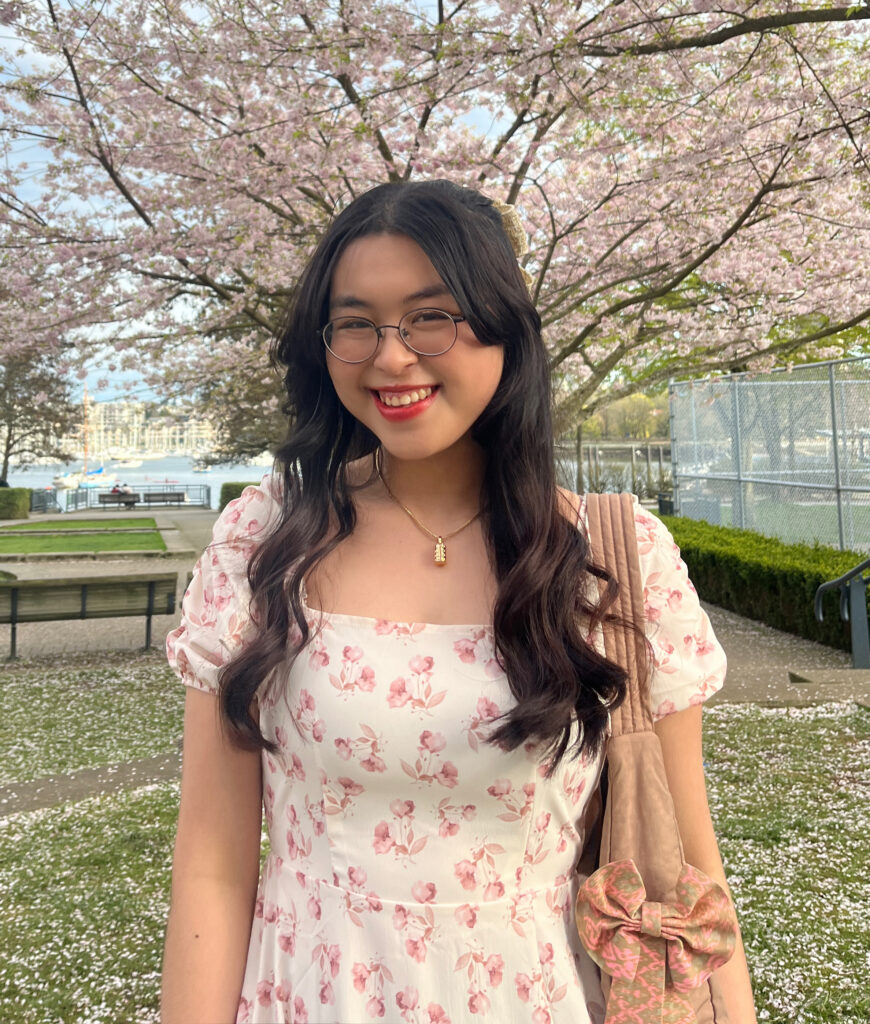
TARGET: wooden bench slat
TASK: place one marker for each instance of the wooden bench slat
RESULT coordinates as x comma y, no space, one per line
49,600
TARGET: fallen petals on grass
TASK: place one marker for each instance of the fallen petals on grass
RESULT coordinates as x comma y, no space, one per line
63,714
85,886
789,793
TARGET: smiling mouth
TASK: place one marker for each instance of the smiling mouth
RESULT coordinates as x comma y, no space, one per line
397,399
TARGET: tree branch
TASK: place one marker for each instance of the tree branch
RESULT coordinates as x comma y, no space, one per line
748,26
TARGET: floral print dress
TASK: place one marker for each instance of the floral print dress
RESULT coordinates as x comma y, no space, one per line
416,872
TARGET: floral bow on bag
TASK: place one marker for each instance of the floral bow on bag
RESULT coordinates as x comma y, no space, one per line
654,952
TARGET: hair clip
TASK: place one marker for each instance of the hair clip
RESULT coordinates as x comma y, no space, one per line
516,233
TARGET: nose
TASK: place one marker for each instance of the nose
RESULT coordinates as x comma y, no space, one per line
393,355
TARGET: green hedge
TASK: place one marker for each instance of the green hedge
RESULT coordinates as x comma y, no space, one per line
14,502
766,579
232,489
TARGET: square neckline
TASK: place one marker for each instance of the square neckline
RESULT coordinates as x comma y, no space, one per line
371,620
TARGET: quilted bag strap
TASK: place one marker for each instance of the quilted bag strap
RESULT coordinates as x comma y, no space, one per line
613,542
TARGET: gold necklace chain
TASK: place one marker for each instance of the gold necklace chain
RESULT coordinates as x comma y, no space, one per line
439,538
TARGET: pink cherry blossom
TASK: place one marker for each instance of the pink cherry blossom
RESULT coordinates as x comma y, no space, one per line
494,967
265,995
478,1002
399,694
333,954
524,986
357,876
408,998
494,891
383,841
487,710
416,949
400,917
373,763
402,808
432,741
466,915
465,872
467,651
423,892
447,774
360,974
375,1007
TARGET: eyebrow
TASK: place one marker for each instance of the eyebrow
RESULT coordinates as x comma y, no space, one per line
431,291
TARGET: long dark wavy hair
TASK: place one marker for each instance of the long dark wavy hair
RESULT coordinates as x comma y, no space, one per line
548,591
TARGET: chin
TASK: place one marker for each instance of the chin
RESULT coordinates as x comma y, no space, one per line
420,449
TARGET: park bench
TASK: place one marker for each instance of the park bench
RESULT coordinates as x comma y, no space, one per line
94,597
128,500
164,497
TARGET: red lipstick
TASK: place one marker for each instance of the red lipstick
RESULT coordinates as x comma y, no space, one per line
397,413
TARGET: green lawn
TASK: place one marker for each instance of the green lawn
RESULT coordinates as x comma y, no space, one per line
85,713
86,886
128,522
85,901
24,544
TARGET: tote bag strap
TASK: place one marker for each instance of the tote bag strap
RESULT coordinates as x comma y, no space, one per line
613,544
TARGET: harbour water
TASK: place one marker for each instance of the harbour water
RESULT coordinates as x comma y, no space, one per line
174,472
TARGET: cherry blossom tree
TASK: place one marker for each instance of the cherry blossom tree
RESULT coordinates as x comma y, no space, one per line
36,410
693,175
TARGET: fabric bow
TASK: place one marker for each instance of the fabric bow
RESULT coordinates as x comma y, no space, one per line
654,951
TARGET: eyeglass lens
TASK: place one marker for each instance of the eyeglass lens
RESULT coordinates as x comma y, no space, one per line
429,332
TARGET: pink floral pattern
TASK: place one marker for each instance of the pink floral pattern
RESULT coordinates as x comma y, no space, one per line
416,872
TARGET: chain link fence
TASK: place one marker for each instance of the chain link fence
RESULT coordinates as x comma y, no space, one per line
785,453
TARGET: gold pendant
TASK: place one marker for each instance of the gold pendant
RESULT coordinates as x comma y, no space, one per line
440,552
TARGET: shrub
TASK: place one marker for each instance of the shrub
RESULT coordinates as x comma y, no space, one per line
14,502
232,489
765,579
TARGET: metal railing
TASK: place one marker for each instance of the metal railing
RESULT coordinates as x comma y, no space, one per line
853,609
198,495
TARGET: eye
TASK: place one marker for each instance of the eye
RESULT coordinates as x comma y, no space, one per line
353,324
427,315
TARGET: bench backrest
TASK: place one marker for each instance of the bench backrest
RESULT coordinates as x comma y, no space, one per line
93,597
164,495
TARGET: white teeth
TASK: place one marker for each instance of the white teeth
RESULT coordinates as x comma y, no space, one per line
406,398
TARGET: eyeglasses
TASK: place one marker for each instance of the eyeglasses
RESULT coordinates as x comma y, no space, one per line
428,332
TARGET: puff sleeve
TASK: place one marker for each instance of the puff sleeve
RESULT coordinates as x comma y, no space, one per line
688,661
215,613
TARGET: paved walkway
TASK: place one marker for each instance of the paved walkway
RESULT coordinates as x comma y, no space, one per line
761,662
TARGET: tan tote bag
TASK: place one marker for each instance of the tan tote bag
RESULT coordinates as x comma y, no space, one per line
656,927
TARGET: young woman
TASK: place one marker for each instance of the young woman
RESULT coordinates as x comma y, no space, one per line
389,648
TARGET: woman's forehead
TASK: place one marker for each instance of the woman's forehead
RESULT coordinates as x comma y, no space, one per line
379,268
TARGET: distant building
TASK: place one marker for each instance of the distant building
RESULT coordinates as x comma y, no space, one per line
116,429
